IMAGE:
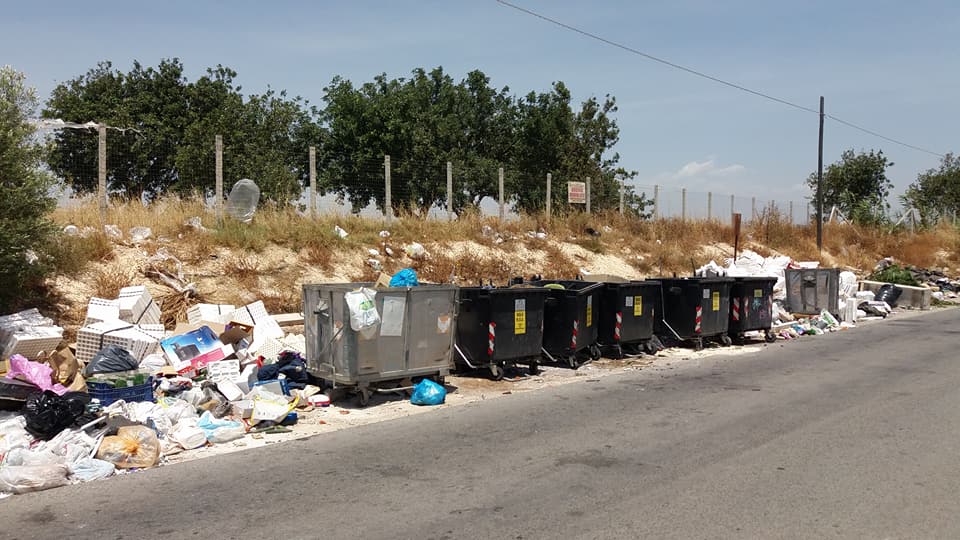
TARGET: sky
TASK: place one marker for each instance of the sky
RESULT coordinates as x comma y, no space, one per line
888,66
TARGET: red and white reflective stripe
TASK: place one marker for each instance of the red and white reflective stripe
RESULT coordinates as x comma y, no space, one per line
736,309
491,334
616,327
699,319
573,338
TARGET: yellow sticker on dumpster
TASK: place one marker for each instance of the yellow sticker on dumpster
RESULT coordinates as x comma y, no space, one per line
520,316
716,300
637,306
758,293
589,311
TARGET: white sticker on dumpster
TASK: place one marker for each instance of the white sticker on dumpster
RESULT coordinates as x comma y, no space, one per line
706,294
391,323
629,302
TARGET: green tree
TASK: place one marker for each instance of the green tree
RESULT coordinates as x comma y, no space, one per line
169,125
936,193
25,199
857,185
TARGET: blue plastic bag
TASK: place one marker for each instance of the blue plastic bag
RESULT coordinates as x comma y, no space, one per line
427,392
404,278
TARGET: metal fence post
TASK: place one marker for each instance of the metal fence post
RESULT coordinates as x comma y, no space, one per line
733,210
450,190
387,195
753,208
709,206
791,212
313,182
683,204
622,188
102,171
549,197
656,201
500,185
588,195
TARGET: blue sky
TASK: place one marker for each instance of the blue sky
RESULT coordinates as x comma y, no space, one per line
890,66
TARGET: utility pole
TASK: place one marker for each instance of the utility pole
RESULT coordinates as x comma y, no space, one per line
820,184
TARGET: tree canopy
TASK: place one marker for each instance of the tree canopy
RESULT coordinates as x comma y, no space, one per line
24,190
857,185
936,193
422,121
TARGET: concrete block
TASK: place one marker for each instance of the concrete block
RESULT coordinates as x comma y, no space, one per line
912,297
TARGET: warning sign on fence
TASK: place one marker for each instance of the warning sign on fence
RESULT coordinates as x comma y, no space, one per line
577,192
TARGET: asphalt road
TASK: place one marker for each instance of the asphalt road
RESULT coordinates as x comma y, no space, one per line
850,435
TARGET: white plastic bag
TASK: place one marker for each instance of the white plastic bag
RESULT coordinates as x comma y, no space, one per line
89,469
187,434
218,430
25,478
363,309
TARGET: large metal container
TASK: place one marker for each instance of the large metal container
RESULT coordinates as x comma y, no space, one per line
413,339
627,315
751,307
500,327
694,309
571,320
812,290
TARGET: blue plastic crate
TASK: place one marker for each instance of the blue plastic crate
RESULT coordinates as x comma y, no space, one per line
108,394
283,384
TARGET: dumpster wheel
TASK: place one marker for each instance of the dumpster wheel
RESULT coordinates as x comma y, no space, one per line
363,396
725,340
572,361
770,336
496,372
595,352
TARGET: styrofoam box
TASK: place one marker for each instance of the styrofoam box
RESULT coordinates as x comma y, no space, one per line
31,341
137,306
101,309
208,312
139,341
256,314
223,370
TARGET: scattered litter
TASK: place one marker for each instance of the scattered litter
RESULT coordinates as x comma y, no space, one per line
340,232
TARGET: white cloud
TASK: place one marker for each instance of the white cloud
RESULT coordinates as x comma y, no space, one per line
709,167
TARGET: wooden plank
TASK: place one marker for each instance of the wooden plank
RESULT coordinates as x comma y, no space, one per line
289,319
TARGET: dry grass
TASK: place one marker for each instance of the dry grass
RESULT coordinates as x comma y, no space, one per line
108,281
660,247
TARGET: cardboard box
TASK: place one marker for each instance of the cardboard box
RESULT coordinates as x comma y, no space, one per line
182,349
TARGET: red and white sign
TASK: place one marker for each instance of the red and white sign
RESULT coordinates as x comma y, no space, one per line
577,192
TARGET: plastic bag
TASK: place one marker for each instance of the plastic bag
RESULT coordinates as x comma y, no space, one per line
111,359
404,278
416,251
13,434
132,447
427,392
139,234
363,309
220,431
243,199
153,363
269,406
889,293
25,478
47,414
89,469
187,434
35,373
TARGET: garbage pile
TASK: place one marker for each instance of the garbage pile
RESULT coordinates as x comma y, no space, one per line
129,393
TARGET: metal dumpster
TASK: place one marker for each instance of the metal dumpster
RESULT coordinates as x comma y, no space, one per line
571,321
812,290
695,309
497,328
413,339
626,316
751,307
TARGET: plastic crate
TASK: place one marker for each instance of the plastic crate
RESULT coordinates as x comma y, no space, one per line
108,394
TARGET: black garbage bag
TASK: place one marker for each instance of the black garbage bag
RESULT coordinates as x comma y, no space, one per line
110,359
47,414
889,293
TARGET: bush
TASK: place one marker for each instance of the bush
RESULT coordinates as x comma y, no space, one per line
25,200
895,274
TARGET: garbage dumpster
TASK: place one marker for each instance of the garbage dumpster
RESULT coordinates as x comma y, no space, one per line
812,290
498,328
751,307
695,309
570,321
414,337
626,316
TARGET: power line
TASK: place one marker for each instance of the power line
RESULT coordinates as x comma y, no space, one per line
706,76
